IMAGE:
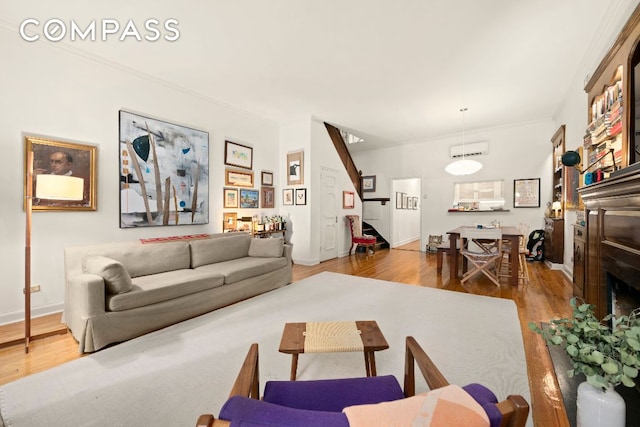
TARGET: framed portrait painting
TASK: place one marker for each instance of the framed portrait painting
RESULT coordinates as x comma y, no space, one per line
164,173
295,168
56,157
238,155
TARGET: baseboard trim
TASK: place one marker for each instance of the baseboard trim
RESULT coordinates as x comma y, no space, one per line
18,316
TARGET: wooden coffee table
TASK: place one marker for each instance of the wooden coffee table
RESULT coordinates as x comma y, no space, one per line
293,338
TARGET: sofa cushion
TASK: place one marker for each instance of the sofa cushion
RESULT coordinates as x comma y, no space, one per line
142,260
269,248
156,288
116,278
209,251
239,269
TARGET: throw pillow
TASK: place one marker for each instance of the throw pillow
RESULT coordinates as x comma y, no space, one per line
266,248
116,277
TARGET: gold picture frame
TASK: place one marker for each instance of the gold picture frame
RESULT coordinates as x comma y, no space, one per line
238,178
230,198
63,158
295,168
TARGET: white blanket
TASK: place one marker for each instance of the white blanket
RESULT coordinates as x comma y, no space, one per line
169,377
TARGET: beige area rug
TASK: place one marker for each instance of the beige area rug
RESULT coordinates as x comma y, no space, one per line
169,377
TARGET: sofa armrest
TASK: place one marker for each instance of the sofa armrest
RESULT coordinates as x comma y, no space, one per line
287,251
85,298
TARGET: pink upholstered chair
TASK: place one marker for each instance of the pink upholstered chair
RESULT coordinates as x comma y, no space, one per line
357,238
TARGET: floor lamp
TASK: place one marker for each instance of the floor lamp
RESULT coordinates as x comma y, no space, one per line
50,187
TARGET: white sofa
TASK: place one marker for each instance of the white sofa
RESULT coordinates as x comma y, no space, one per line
118,291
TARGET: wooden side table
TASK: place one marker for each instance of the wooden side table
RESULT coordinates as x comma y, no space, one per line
293,337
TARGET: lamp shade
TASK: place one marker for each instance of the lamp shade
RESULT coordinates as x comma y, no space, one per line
570,158
59,187
463,167
556,205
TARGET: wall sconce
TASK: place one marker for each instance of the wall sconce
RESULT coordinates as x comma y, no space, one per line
572,158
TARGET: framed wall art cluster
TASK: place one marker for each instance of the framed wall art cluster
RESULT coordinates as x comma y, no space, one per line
404,201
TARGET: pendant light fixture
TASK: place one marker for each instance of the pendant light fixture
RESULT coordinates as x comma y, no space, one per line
463,166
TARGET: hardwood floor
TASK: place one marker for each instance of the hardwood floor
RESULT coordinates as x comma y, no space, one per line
545,297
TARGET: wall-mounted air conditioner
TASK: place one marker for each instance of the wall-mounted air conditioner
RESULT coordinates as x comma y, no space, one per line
470,149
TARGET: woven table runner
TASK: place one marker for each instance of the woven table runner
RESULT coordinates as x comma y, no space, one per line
325,337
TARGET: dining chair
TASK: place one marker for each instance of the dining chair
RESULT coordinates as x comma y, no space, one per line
357,237
504,266
486,259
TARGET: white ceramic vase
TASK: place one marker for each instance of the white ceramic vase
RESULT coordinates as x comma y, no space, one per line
597,408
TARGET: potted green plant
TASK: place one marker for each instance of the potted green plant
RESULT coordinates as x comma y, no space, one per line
607,352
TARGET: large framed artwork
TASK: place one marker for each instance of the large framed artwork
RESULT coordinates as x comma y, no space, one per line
238,155
295,168
63,158
164,173
526,193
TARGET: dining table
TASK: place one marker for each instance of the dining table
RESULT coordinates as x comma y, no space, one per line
512,234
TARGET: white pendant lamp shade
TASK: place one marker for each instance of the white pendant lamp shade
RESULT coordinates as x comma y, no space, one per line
463,166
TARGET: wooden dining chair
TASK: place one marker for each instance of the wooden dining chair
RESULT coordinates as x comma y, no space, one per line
486,259
504,266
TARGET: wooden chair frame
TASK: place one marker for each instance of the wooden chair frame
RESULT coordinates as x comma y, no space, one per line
514,408
490,254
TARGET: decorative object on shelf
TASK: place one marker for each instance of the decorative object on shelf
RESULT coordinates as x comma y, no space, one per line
268,197
295,168
50,187
230,198
287,196
51,157
526,193
238,178
267,178
369,184
607,352
548,213
249,198
169,182
557,209
301,196
348,199
238,155
463,166
229,221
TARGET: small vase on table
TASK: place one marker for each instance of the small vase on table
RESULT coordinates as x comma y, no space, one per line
599,408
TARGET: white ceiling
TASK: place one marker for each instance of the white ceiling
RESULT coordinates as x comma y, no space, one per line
389,71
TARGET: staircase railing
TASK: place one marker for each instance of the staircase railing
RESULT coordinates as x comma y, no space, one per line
345,156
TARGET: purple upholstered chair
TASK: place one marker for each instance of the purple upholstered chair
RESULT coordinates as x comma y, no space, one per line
320,402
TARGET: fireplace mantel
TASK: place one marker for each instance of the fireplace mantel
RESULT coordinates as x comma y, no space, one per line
612,212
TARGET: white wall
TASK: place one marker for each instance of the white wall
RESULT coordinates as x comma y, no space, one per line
515,152
405,223
53,92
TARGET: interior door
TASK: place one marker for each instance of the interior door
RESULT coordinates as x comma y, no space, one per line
328,215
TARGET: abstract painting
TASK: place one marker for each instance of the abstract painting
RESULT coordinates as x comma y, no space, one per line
164,173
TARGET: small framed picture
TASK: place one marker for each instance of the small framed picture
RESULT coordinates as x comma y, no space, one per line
287,196
295,168
249,198
238,155
526,193
415,203
230,198
398,200
410,203
405,202
238,178
348,200
301,196
268,197
229,221
267,178
369,183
